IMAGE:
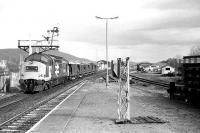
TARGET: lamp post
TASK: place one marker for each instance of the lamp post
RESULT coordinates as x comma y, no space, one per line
107,77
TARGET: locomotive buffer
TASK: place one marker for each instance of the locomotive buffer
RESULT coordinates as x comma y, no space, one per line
38,44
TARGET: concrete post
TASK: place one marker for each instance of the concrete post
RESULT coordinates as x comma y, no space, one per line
112,68
118,67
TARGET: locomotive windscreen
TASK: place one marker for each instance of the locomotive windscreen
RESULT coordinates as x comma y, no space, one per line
38,57
33,57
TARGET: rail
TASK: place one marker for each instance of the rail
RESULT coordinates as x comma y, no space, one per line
167,85
26,119
5,125
13,102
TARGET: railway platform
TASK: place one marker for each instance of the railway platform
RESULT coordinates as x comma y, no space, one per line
81,112
57,120
93,109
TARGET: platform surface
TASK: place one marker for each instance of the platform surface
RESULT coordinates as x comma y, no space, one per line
93,109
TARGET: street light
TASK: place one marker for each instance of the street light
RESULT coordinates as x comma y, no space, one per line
107,78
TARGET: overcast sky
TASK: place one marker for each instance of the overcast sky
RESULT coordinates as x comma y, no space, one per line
146,30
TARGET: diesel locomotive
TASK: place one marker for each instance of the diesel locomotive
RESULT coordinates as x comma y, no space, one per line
41,71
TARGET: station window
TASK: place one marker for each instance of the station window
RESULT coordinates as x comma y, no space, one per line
198,60
192,60
186,61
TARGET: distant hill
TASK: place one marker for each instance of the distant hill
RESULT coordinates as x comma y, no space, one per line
133,63
13,57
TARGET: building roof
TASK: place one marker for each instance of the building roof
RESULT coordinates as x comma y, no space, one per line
102,62
167,66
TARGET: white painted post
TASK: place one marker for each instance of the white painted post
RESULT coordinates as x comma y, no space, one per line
123,94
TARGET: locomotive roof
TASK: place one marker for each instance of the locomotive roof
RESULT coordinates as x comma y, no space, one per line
53,56
47,56
57,57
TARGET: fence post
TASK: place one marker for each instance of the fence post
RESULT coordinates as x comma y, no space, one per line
7,84
171,90
119,93
112,68
4,83
118,66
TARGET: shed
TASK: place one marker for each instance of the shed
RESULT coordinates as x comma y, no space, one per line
167,70
102,64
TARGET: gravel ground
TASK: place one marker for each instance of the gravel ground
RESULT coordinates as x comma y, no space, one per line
98,111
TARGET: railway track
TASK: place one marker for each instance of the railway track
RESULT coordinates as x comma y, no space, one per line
162,84
13,102
24,121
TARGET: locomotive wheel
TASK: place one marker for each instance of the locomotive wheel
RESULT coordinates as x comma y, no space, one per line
30,88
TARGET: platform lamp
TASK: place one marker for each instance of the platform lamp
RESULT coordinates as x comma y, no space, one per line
107,77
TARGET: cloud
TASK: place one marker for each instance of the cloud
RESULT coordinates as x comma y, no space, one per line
170,36
184,36
143,26
174,4
176,19
159,23
147,52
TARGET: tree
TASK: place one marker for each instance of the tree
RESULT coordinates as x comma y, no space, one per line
195,50
178,56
